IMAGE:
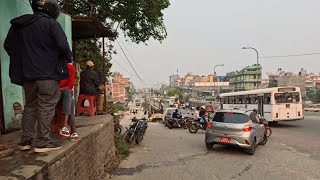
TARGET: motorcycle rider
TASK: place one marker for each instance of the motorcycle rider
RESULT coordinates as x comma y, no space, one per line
176,116
202,115
196,113
254,116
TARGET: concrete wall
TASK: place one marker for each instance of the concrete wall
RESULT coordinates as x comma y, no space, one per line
88,160
11,93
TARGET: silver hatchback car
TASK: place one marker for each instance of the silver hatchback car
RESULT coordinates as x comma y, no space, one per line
235,128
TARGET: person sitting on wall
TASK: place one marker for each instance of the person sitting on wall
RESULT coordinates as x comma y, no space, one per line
66,89
90,84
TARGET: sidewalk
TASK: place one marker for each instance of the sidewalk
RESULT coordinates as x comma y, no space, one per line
86,159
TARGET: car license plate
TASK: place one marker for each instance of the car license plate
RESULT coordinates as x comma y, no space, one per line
225,140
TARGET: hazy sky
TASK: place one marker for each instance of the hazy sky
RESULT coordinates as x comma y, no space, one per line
203,33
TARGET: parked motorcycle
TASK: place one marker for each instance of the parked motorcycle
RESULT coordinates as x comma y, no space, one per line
196,125
135,132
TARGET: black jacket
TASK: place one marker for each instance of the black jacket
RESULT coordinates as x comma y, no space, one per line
89,82
38,49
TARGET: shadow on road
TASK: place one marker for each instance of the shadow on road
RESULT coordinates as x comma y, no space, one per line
225,149
282,125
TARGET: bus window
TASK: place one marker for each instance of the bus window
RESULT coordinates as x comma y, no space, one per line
244,99
296,97
237,99
253,99
225,99
267,99
287,97
231,100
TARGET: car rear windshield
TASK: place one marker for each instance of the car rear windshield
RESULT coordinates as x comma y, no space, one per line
226,117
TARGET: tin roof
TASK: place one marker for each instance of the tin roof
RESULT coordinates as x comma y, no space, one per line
90,27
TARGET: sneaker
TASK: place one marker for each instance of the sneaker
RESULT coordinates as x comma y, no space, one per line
47,148
24,146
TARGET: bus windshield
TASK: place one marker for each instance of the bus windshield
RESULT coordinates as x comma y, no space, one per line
292,97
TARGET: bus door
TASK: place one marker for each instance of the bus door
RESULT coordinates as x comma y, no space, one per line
260,105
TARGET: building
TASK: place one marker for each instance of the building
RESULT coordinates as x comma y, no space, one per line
248,78
173,80
119,85
219,87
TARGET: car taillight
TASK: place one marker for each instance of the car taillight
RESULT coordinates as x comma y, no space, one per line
247,128
209,126
247,142
277,115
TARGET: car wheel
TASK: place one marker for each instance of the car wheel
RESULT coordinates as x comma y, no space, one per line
265,140
209,146
252,149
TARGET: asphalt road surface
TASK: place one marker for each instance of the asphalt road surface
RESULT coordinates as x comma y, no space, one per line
292,152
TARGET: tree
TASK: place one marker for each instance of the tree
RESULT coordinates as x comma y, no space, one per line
139,20
316,97
173,91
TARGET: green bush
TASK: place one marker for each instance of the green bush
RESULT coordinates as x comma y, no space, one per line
122,147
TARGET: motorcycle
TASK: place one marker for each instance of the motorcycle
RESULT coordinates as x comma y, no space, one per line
135,132
266,125
186,122
174,123
196,125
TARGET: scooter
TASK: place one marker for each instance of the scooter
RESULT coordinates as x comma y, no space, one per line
174,123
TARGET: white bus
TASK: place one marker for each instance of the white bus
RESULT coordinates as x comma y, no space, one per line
274,104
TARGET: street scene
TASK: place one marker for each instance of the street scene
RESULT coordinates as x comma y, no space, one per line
178,154
163,90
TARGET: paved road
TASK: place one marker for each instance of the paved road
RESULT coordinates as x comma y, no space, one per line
291,153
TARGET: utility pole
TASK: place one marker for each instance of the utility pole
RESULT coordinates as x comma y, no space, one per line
214,83
257,85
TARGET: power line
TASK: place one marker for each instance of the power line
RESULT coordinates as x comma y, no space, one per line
292,55
130,55
129,61
123,67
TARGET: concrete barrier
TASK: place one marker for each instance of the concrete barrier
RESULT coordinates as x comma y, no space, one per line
86,159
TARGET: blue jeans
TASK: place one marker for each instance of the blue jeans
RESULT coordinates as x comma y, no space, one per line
68,105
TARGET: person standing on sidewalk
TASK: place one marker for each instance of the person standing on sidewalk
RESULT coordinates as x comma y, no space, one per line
66,90
39,52
90,84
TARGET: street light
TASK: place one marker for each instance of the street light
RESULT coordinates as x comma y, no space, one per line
214,83
255,51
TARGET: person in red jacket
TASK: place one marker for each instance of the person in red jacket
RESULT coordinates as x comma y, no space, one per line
66,89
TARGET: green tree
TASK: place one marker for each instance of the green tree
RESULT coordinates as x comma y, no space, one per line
139,20
173,91
316,97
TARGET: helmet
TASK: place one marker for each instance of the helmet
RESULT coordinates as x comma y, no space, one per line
50,7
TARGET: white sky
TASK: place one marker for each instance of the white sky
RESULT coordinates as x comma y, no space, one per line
203,33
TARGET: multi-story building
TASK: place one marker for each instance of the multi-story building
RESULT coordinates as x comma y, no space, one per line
118,86
248,78
173,80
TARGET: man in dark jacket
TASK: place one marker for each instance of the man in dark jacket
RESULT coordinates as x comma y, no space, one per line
90,84
39,52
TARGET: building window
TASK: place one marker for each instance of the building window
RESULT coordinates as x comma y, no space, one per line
254,84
